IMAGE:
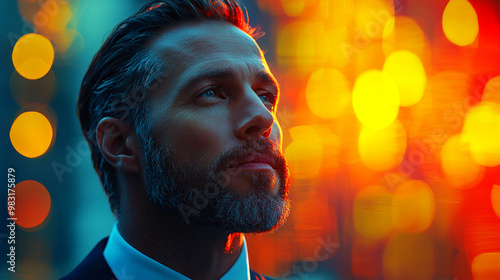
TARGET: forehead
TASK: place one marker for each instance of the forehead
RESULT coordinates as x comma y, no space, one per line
206,44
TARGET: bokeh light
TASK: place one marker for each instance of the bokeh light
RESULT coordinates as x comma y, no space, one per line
53,17
382,149
33,204
414,206
404,33
485,266
495,199
458,165
293,7
301,45
373,212
372,16
31,134
32,56
305,153
482,132
408,72
460,23
28,9
52,20
327,92
491,90
375,99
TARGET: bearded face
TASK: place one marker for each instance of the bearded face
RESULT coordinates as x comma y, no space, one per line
186,186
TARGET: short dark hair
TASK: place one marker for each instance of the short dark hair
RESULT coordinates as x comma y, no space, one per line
123,71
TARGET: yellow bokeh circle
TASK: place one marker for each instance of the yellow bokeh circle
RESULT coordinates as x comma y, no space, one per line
327,92
382,149
375,99
33,56
409,73
481,131
31,134
460,24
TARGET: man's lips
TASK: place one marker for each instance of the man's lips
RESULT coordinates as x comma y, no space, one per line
256,161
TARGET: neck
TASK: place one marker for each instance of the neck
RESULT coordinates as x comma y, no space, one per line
194,250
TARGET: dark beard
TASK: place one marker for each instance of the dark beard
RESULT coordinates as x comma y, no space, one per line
202,194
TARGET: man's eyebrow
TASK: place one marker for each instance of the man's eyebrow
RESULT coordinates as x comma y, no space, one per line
209,74
221,74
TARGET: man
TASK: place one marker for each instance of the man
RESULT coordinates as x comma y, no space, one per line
178,107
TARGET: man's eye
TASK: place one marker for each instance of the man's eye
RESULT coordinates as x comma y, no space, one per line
210,96
211,93
268,98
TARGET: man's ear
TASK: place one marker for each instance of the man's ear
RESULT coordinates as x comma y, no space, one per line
119,144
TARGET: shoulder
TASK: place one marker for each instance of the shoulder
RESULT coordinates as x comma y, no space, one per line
93,267
256,276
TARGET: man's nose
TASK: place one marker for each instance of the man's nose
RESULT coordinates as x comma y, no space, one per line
253,118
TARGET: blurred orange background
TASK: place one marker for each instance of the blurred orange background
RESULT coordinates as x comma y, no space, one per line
390,112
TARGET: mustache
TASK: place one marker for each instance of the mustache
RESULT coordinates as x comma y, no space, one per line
251,146
229,159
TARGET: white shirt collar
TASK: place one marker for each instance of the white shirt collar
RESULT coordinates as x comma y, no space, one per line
127,263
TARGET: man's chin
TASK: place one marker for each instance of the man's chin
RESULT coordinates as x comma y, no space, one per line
280,220
252,213
264,181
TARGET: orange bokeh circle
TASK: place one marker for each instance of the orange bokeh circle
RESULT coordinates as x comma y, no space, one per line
32,204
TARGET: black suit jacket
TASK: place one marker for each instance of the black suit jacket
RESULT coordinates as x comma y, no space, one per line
95,267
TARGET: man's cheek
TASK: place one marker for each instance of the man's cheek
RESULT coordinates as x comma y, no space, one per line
198,140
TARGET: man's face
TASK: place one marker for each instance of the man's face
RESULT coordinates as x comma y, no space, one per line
213,149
